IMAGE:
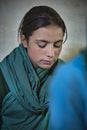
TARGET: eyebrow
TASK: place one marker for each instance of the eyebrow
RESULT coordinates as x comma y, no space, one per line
48,41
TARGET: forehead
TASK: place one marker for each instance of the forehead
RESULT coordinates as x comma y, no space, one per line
50,33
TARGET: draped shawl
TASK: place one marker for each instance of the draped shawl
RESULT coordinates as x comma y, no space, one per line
25,106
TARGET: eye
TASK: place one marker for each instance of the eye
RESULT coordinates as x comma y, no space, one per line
58,44
41,44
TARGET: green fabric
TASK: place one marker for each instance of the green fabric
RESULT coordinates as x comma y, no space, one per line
3,91
3,88
25,106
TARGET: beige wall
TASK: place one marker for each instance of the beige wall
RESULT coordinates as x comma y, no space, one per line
72,11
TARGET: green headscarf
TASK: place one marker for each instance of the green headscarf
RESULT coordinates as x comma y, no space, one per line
25,106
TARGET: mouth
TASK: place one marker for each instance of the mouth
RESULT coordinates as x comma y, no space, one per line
47,62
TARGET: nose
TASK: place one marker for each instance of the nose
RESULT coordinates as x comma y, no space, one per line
50,51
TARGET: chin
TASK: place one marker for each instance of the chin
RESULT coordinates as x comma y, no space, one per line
46,66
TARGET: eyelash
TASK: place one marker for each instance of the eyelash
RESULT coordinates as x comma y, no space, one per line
57,46
43,46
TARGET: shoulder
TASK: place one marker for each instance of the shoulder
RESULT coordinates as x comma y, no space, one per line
60,61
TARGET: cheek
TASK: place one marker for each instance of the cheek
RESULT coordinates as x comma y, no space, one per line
36,54
58,51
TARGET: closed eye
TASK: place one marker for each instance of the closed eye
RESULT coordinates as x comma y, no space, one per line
41,43
58,44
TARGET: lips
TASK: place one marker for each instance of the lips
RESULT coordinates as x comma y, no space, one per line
47,62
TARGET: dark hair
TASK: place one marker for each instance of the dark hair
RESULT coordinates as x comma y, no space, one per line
40,16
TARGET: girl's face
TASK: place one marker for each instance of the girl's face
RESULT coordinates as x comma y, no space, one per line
44,46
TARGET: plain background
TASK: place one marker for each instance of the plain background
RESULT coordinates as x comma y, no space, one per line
74,13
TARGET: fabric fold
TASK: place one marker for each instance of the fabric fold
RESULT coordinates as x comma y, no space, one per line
28,92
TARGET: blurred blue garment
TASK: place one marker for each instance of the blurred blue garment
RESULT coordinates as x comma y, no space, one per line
68,96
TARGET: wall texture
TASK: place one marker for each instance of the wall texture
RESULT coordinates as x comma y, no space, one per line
74,13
